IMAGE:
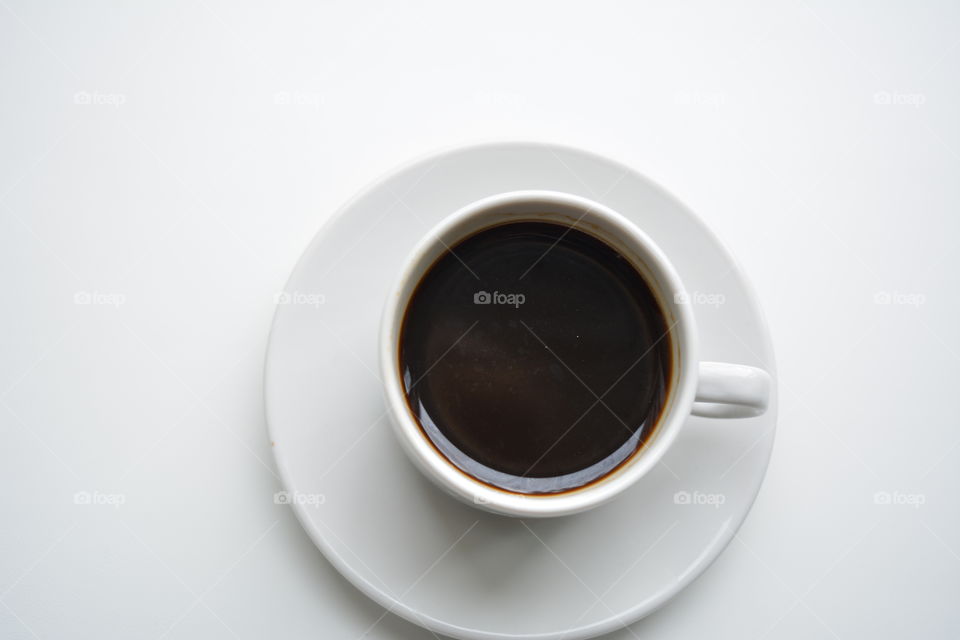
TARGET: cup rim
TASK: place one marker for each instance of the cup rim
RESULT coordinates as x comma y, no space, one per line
644,253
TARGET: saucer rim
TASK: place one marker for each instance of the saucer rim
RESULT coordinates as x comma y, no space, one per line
607,625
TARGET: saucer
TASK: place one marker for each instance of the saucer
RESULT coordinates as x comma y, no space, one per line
445,565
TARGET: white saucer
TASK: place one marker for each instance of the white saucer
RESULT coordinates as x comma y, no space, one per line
445,565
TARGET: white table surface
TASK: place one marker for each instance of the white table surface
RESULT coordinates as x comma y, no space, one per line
163,166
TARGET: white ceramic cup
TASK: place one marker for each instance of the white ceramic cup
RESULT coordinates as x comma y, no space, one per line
711,389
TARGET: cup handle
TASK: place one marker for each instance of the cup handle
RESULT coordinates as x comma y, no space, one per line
731,391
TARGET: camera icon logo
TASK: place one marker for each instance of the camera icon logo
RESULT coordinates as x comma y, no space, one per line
482,297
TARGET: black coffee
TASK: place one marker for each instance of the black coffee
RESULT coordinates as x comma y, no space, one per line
535,357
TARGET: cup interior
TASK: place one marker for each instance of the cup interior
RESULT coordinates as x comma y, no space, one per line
631,243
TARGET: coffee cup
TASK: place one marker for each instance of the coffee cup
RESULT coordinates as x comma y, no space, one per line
486,399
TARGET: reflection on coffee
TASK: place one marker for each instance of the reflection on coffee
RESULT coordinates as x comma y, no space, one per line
535,357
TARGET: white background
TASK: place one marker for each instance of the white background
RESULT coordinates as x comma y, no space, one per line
162,165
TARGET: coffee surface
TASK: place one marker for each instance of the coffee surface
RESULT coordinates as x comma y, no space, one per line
535,357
